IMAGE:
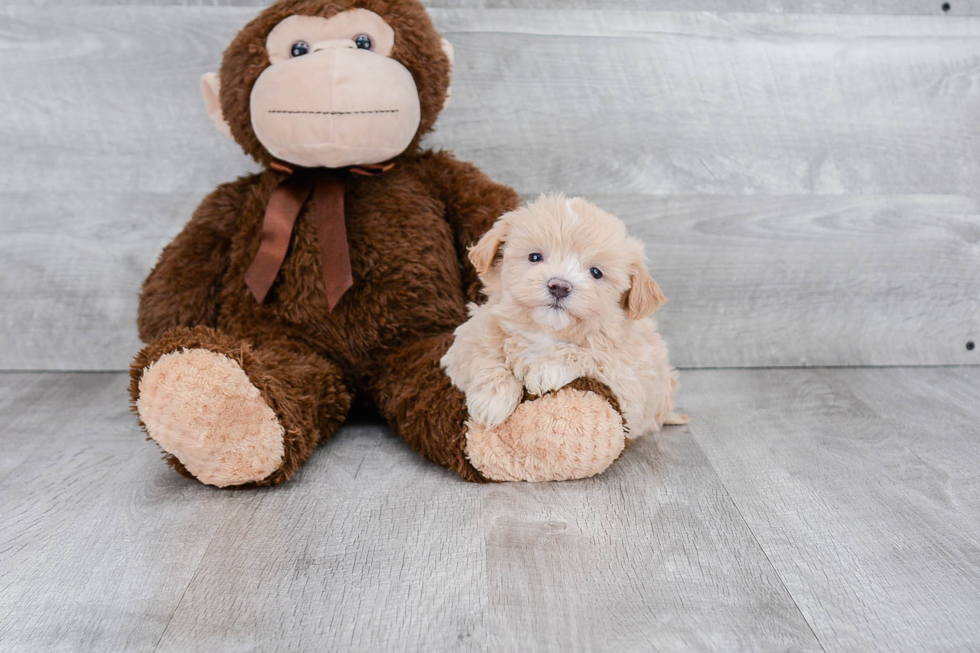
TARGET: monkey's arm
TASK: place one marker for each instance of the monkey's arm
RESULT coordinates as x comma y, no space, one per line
182,289
473,203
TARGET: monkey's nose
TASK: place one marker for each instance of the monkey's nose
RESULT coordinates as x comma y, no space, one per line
559,288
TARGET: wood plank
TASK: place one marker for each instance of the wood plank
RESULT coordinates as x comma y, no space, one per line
73,265
97,538
651,556
20,396
369,548
375,549
886,7
828,147
852,493
756,280
632,102
684,103
861,486
114,105
881,7
798,281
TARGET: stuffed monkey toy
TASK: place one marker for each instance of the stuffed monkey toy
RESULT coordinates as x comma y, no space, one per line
341,269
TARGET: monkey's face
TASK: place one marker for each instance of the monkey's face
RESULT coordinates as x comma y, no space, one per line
333,96
331,90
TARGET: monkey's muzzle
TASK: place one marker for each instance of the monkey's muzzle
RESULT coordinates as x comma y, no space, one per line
336,107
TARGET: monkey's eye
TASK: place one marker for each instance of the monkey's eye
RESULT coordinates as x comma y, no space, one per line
535,258
596,273
300,48
364,42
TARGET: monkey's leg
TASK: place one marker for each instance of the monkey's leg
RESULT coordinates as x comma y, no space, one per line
421,404
229,414
575,432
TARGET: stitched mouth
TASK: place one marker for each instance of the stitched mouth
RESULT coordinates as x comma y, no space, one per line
336,113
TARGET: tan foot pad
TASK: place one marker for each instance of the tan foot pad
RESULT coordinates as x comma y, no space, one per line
201,407
562,436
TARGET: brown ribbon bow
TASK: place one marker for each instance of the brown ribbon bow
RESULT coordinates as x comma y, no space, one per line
281,212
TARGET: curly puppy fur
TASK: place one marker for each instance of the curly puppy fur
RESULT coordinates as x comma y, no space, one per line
569,296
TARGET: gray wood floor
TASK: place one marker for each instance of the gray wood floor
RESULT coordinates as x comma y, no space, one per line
822,509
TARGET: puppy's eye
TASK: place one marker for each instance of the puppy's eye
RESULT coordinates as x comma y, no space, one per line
596,273
364,42
535,258
300,48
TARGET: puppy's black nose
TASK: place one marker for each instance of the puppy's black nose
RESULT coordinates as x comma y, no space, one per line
559,288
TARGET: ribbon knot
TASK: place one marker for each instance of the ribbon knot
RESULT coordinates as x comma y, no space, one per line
282,211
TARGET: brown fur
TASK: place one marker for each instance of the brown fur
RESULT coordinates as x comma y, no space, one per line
408,232
306,391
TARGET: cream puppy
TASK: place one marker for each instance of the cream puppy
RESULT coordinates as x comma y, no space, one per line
569,297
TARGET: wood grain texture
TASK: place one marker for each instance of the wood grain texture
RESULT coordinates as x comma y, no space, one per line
75,262
751,280
369,548
378,550
685,103
96,543
657,102
886,7
832,509
862,487
372,549
791,118
838,280
651,556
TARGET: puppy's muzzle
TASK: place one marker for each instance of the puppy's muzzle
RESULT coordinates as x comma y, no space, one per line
559,288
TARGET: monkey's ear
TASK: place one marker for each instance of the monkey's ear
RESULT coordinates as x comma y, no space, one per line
644,296
483,254
211,90
447,47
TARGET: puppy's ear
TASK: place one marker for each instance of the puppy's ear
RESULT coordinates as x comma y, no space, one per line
482,254
644,296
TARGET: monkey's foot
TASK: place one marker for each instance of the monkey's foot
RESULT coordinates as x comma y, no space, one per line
201,407
573,433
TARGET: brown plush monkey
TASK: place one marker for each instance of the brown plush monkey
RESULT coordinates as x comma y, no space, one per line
341,269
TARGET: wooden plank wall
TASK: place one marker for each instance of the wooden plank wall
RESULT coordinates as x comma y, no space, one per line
805,173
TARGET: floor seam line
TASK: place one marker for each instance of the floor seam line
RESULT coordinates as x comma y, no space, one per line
755,538
183,593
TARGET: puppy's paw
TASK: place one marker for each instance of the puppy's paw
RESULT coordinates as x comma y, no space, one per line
494,402
546,376
676,419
